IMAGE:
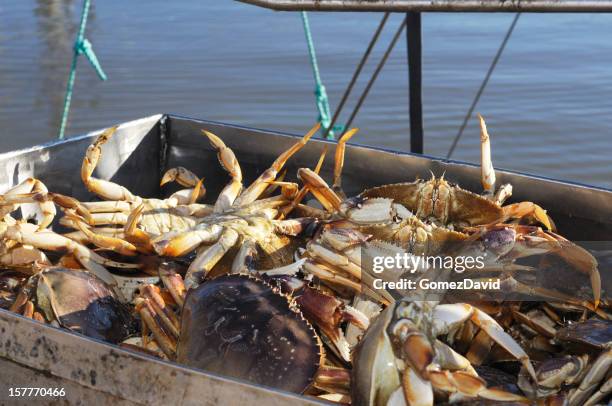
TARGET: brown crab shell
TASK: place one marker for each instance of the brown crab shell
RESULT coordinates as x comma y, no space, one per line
436,198
82,302
242,327
590,336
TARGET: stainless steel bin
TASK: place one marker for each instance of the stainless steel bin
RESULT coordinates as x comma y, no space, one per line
93,372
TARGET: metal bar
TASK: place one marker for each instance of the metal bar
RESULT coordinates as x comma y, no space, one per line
379,67
357,72
413,40
566,6
483,85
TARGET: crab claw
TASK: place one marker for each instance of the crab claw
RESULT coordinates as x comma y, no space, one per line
226,155
103,188
584,262
525,209
228,161
487,173
188,179
182,176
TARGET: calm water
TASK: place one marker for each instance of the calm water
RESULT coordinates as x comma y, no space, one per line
548,104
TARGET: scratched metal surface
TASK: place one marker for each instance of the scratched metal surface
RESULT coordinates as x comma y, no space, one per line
89,367
135,157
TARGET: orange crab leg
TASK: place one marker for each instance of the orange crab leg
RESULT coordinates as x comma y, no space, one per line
228,161
256,188
188,179
339,160
304,190
523,209
487,173
320,189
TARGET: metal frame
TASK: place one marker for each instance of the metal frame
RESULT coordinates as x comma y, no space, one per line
564,6
413,30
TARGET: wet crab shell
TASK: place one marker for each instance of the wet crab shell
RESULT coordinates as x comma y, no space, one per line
82,302
441,200
239,326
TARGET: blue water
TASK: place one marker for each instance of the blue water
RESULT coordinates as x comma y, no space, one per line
548,104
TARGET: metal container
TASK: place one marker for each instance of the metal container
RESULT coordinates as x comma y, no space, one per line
93,372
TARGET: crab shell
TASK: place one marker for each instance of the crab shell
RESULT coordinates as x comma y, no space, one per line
440,200
239,326
80,301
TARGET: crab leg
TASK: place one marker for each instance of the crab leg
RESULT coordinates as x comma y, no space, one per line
599,370
133,234
290,270
107,206
82,238
447,316
280,179
176,244
103,188
524,209
332,379
188,179
339,161
326,273
49,240
584,262
469,385
180,175
168,319
46,201
106,242
328,312
207,259
574,254
448,358
174,283
487,173
24,255
165,341
190,195
419,354
600,394
292,227
30,190
320,189
229,162
260,184
304,190
337,260
95,219
414,389
551,295
22,188
245,257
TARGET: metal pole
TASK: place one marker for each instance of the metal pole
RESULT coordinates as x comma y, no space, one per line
413,37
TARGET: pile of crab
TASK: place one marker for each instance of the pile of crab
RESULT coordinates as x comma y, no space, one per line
269,287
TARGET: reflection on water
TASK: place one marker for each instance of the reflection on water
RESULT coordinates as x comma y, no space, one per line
548,103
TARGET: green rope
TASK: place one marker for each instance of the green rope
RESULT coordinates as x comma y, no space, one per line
320,93
81,47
